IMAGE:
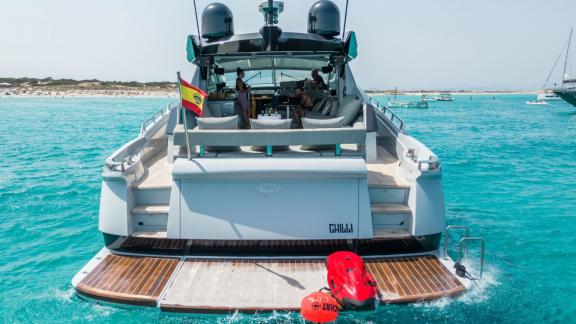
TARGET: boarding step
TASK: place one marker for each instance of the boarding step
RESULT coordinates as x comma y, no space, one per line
150,218
390,208
155,235
388,194
392,234
390,216
152,196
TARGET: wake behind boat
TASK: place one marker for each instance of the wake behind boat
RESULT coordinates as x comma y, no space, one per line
199,215
538,102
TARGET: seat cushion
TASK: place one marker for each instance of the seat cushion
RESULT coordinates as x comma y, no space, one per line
207,123
349,110
270,123
329,107
213,109
315,115
310,123
319,106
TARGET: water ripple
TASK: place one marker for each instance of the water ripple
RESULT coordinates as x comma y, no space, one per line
508,175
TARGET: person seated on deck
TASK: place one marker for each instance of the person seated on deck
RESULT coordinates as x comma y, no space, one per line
315,87
305,103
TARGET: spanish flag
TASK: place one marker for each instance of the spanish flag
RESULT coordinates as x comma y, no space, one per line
192,97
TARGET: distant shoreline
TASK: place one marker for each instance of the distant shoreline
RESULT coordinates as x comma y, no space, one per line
39,92
454,93
84,93
92,97
68,88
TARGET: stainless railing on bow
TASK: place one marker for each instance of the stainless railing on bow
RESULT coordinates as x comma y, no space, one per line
128,154
125,156
150,122
396,121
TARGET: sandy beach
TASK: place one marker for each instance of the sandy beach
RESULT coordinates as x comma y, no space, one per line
79,93
163,92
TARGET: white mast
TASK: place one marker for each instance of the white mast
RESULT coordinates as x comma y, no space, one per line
566,60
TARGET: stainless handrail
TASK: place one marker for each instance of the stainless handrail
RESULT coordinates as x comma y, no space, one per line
447,236
113,165
392,118
128,151
152,120
464,242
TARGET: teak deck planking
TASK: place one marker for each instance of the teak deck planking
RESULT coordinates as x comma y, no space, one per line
411,279
128,280
203,285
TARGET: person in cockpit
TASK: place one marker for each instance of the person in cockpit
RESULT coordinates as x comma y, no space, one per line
243,91
317,80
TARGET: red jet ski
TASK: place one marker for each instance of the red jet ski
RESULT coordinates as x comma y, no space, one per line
350,282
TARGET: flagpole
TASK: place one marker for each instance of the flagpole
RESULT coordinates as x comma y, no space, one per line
185,119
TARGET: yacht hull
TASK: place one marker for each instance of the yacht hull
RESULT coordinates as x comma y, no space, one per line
569,95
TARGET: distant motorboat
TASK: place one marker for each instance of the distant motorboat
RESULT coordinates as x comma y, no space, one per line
547,96
422,104
444,97
440,97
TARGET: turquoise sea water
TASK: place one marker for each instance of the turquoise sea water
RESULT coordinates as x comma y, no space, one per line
509,173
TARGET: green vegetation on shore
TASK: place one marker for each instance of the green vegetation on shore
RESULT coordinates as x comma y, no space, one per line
49,84
86,84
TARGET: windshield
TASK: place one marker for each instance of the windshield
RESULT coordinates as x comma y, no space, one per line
293,75
270,72
265,77
250,78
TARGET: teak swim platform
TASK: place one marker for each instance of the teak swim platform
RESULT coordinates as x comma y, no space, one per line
189,284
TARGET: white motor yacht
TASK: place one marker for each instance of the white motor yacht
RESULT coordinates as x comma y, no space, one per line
547,95
199,215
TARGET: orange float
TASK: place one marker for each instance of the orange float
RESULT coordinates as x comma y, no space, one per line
319,307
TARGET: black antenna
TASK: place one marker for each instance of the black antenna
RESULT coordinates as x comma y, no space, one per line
270,15
197,23
345,17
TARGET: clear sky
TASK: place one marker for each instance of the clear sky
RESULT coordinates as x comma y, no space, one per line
451,44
